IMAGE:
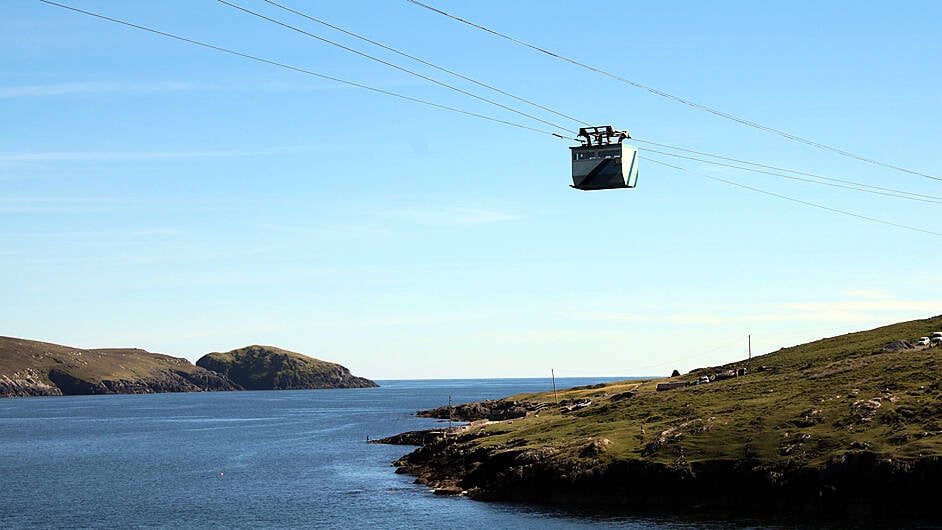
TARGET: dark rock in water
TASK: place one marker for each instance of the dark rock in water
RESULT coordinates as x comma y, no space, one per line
270,368
418,438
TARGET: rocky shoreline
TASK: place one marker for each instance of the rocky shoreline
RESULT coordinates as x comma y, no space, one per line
861,484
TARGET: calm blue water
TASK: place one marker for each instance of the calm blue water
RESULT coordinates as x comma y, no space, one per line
246,459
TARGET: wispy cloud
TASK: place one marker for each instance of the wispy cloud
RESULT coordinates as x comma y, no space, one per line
116,156
859,307
450,215
98,234
328,229
57,204
78,88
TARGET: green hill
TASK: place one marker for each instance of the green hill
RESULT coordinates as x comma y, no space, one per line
270,368
838,426
32,368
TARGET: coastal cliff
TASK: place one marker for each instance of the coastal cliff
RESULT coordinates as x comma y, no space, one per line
270,368
33,368
848,426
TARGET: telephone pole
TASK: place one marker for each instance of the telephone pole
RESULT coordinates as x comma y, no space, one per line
553,375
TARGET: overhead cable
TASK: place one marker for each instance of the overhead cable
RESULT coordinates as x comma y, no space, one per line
920,196
799,201
677,99
854,187
301,70
891,192
452,109
426,63
392,65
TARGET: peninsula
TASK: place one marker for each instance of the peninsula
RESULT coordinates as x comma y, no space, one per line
33,368
843,426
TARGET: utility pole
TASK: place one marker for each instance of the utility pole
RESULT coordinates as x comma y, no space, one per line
553,375
750,346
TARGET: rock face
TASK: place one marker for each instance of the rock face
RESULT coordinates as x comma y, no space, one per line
857,485
32,368
268,368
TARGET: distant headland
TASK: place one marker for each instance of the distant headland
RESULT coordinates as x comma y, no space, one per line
33,368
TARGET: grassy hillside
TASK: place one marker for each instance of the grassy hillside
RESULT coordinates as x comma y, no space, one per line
38,368
808,402
269,368
837,427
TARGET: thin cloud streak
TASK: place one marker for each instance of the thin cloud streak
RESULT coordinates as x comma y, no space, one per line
834,311
451,215
117,156
96,87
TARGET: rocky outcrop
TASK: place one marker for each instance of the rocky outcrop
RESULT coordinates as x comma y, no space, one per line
270,368
157,382
856,484
25,383
494,410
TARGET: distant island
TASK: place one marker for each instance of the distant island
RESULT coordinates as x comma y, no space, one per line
848,426
270,368
33,368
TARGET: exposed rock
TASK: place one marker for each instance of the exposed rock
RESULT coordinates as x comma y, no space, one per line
494,410
865,409
161,380
28,382
858,485
32,368
898,345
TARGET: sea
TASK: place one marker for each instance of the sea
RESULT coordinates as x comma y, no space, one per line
262,459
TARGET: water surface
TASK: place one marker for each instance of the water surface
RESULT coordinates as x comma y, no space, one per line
278,459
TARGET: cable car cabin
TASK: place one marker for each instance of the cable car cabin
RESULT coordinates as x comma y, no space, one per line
603,162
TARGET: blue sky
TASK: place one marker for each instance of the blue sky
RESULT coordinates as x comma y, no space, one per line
161,195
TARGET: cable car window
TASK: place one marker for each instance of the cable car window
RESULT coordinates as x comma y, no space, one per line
610,154
586,155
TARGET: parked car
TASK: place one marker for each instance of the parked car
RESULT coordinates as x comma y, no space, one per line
936,340
923,341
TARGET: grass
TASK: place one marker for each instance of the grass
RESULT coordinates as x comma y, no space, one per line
267,367
818,400
20,355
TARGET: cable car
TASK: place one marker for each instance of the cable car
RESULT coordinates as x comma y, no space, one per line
603,162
